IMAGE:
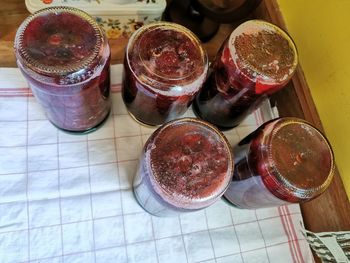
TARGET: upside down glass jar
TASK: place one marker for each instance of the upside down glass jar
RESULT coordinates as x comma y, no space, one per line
164,67
186,165
285,161
65,56
256,60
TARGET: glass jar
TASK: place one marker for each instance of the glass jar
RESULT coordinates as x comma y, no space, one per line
65,57
285,161
256,60
164,67
186,165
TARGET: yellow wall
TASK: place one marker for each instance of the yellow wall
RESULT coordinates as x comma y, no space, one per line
321,31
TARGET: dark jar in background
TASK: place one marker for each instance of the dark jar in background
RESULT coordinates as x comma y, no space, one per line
256,60
284,161
164,67
186,165
65,57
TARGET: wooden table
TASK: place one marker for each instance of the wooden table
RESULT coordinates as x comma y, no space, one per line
331,211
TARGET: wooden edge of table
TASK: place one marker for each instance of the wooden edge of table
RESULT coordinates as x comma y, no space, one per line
330,211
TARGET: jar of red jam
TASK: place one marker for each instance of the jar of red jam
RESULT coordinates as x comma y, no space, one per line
65,57
256,60
186,165
284,161
164,67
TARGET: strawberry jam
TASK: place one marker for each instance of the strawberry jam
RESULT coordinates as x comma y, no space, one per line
186,165
257,59
65,57
288,161
164,67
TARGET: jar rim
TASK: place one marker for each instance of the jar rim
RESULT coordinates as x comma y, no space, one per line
40,68
196,203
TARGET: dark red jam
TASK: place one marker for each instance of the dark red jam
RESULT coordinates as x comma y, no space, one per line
288,161
65,58
54,40
258,59
164,68
187,165
190,161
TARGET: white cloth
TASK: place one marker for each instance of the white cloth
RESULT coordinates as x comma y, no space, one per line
66,198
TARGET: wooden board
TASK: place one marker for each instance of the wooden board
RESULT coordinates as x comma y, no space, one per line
331,211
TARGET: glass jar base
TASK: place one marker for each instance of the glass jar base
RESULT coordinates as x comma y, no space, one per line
90,130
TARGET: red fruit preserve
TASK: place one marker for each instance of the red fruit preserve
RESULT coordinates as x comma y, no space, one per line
185,165
286,161
256,60
164,67
65,57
